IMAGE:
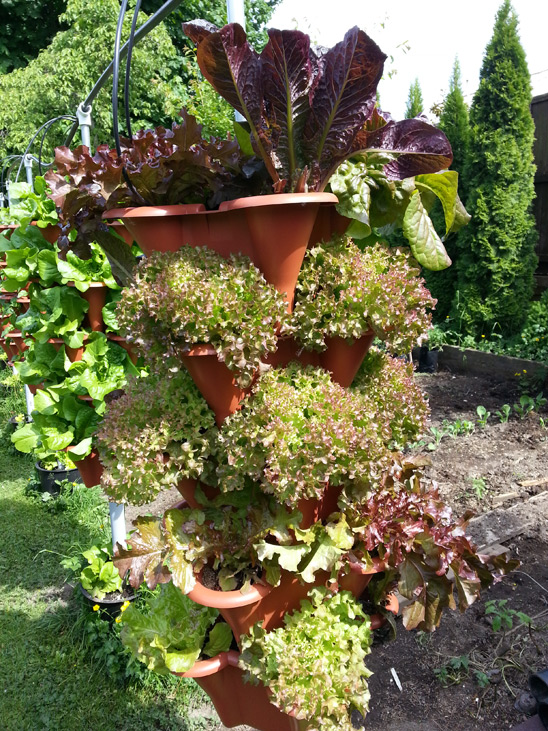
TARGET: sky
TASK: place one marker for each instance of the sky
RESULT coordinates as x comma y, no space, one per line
422,40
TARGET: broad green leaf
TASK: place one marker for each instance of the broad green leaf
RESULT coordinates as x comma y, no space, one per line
462,217
426,245
45,402
26,438
220,639
244,139
444,186
288,557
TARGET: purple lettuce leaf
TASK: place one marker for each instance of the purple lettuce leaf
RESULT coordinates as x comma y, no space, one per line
303,108
416,146
343,102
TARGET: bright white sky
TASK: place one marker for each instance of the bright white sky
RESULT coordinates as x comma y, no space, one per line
436,31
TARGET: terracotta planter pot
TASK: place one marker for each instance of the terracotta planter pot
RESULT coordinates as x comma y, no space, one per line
236,702
269,604
280,228
17,341
327,224
289,350
214,380
314,510
121,230
119,340
167,228
96,297
9,347
187,488
73,354
90,469
343,359
392,605
273,230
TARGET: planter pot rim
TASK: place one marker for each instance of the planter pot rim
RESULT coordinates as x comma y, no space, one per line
358,568
228,599
90,285
278,199
200,349
155,211
255,201
57,469
203,668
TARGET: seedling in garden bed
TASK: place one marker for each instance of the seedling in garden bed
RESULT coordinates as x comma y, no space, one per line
454,671
504,413
479,486
483,415
525,406
503,616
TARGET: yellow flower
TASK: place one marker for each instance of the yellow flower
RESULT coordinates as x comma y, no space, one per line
118,620
96,607
524,370
125,605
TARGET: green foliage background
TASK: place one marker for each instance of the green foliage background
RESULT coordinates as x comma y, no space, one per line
27,26
496,250
165,76
415,104
455,123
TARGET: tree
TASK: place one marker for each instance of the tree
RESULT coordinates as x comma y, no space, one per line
496,251
26,28
455,123
415,104
64,73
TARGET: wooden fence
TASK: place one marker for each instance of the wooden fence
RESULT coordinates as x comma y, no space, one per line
539,110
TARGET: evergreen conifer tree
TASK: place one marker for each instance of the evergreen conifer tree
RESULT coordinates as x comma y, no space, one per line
496,258
415,104
454,122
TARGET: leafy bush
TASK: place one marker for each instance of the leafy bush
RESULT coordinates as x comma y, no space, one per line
196,296
497,250
345,292
152,436
314,664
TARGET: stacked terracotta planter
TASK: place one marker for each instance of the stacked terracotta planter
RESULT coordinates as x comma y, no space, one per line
13,344
274,231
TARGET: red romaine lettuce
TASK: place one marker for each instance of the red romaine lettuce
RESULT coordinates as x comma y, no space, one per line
309,110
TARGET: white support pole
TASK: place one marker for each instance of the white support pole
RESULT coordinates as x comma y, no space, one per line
83,115
29,398
235,11
28,169
117,524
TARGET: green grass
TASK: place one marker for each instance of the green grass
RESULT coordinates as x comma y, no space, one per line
48,679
